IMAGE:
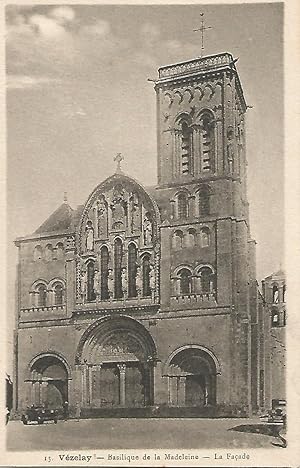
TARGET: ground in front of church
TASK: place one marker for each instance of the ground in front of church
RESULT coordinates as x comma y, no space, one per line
106,434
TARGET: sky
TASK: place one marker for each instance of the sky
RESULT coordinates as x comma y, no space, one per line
78,93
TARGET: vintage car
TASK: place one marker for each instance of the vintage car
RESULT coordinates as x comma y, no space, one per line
39,414
277,415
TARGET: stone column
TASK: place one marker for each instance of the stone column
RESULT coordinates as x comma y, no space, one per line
122,370
84,384
90,384
181,391
43,388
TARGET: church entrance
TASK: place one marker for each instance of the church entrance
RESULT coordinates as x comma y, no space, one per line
117,365
192,378
48,382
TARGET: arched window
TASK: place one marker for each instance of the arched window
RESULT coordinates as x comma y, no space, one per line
204,203
185,281
42,295
205,237
207,142
186,146
275,294
104,273
146,275
275,318
48,253
191,238
58,294
37,253
283,293
207,280
177,240
59,251
118,253
132,260
182,206
91,296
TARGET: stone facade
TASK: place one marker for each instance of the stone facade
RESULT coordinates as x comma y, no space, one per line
142,298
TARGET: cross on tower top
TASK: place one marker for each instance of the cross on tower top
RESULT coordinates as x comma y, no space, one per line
202,29
118,158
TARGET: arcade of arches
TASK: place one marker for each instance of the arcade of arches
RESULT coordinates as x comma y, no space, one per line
117,360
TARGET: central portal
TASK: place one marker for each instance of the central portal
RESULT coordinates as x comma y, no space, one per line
116,358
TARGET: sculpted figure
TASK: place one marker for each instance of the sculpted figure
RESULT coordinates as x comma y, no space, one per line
97,283
102,217
124,281
110,283
139,280
147,230
89,231
83,283
152,278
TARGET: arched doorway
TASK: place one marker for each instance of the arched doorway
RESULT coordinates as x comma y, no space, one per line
116,356
192,372
49,381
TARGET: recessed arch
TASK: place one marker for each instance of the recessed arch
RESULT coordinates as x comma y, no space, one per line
192,346
46,354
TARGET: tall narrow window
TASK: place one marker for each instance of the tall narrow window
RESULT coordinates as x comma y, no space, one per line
283,293
185,281
58,294
146,276
91,296
132,258
206,142
207,280
186,152
182,206
205,237
37,253
104,273
204,202
42,295
275,294
275,318
118,268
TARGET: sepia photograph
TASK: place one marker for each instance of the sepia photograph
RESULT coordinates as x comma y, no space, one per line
146,278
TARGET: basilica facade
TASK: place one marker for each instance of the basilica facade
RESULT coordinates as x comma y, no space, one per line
145,298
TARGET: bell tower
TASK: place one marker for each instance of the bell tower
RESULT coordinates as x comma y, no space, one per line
200,121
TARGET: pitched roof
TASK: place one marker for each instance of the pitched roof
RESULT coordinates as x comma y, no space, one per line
60,220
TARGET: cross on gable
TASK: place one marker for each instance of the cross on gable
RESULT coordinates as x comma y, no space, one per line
202,29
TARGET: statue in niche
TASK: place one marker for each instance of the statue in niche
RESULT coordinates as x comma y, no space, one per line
139,280
102,216
124,281
110,283
147,229
118,208
152,278
230,149
83,283
135,223
89,236
97,283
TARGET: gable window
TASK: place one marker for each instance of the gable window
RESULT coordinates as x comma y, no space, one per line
182,206
146,275
118,253
185,281
177,240
104,273
91,296
132,260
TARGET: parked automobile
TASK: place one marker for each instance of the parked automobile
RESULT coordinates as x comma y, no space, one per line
277,415
39,414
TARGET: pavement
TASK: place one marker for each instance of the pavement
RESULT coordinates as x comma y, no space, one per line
106,434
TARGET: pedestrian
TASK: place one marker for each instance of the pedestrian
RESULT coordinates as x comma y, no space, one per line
66,410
